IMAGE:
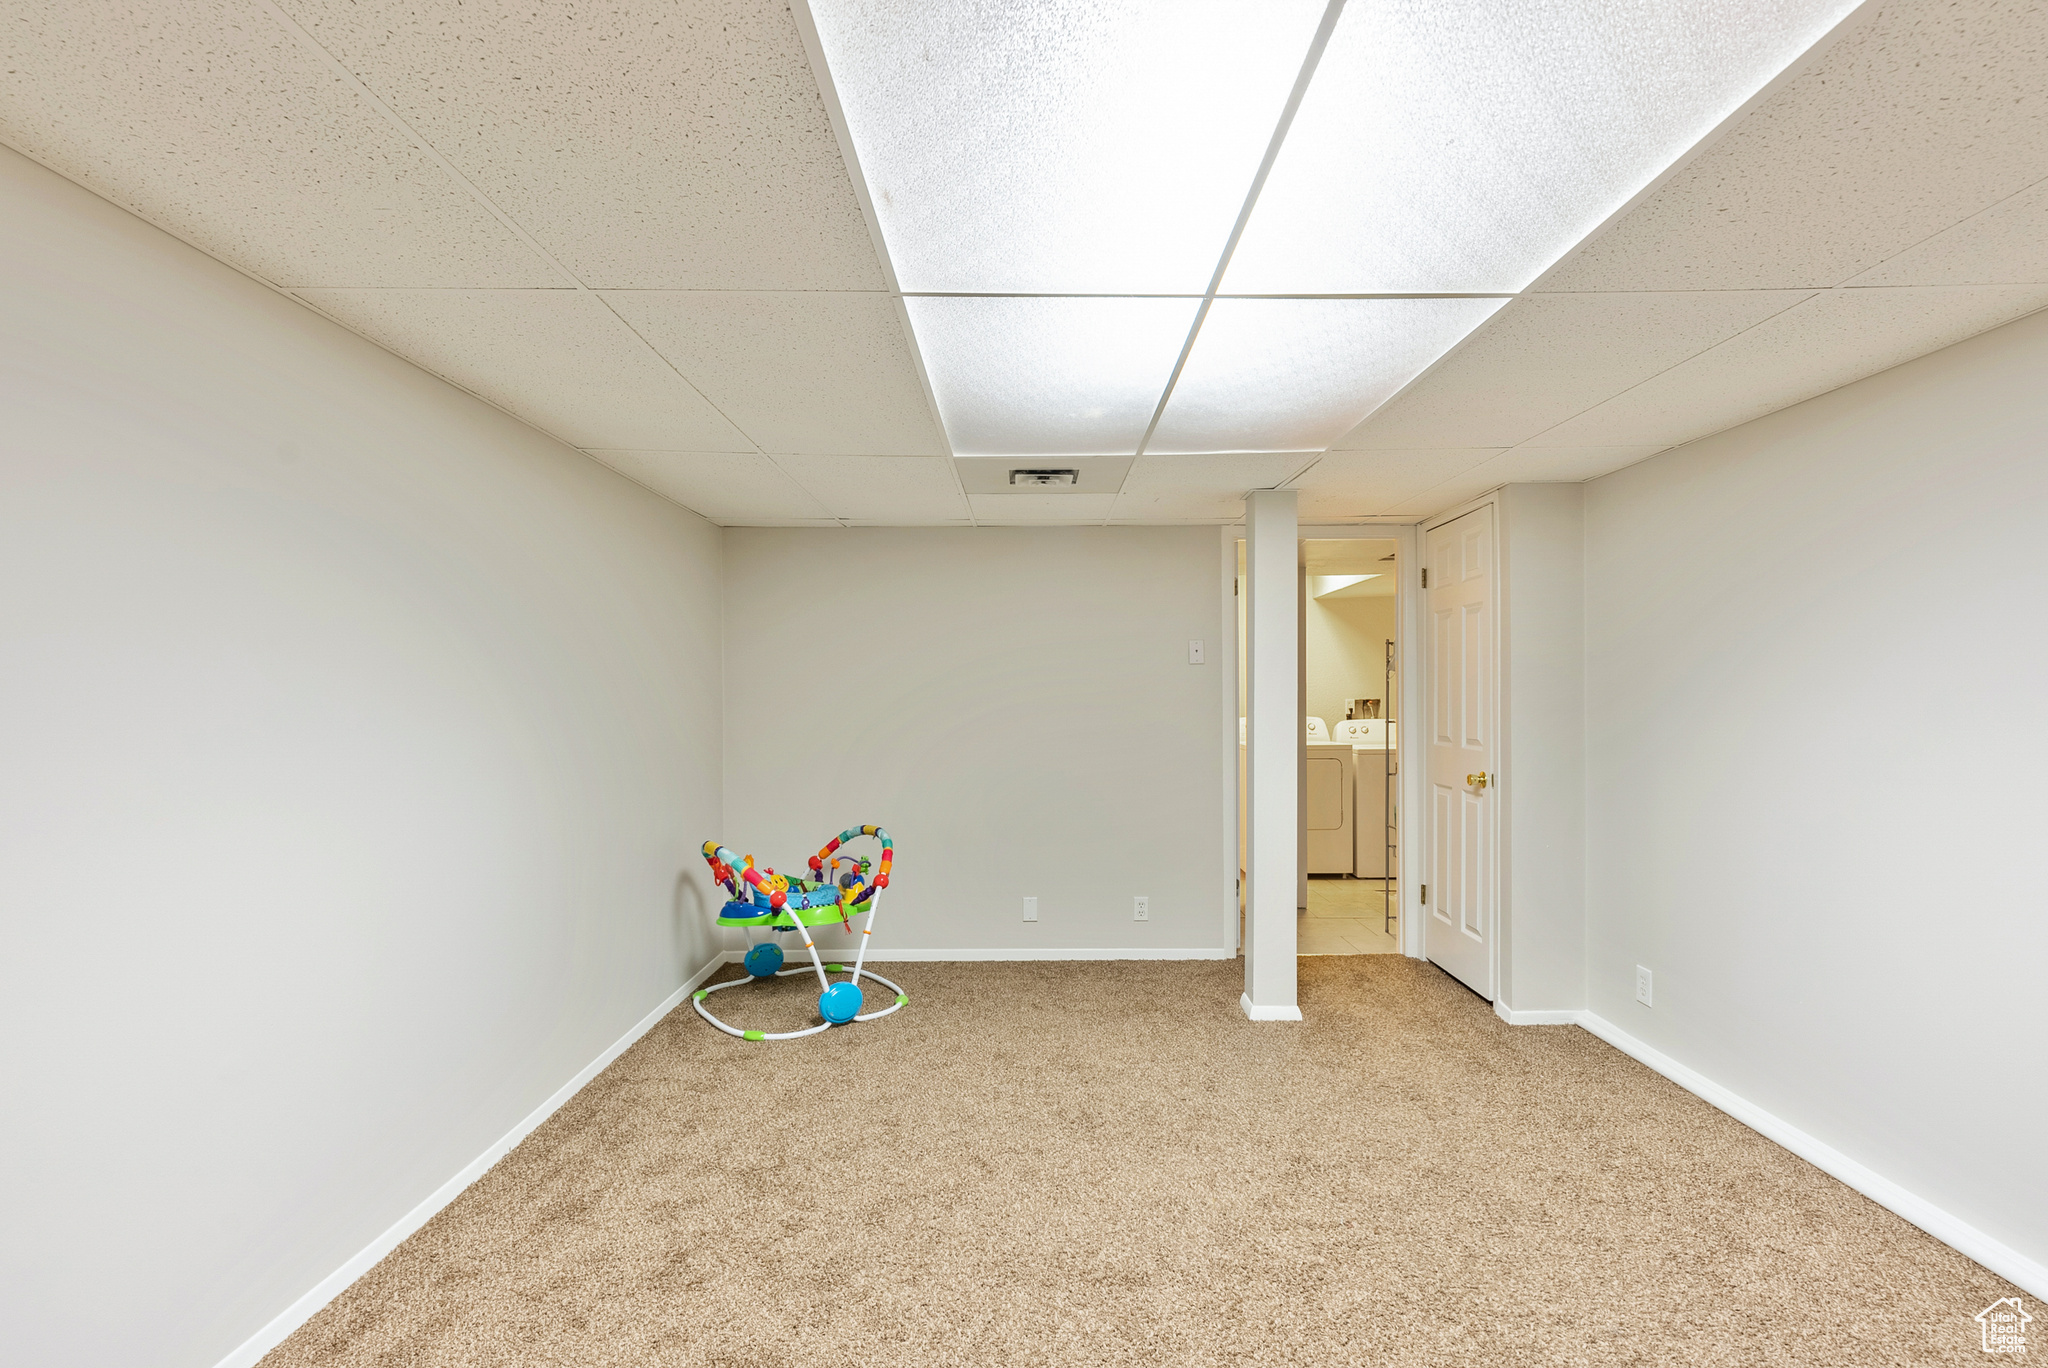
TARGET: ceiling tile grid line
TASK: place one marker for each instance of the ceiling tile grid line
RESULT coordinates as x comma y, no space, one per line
1215,482
302,299
835,114
1309,62
1703,352
1986,214
1789,305
303,36
800,484
348,77
642,339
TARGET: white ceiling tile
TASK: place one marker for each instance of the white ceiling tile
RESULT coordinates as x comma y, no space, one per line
900,489
1551,465
209,119
1200,488
1469,146
558,358
724,486
813,372
1546,357
1355,484
1296,374
1029,377
2005,244
1829,341
1099,146
674,145
1925,115
1446,495
997,509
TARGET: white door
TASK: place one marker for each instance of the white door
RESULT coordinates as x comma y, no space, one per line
1458,925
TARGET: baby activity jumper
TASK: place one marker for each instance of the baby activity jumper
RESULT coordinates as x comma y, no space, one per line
764,901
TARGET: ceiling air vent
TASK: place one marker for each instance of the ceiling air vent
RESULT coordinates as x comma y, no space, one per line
1046,479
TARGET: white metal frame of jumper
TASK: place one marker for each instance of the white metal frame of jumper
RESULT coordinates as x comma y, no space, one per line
822,969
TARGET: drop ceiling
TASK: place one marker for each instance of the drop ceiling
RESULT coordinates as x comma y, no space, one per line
824,266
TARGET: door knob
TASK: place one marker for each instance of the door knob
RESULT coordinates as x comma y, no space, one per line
1477,781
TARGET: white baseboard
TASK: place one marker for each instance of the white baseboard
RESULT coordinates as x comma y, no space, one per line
1258,1013
1570,1016
335,1283
2002,1259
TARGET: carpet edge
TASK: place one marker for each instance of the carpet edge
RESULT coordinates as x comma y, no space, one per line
2022,1271
281,1326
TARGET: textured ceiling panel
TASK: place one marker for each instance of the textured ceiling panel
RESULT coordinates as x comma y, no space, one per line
1452,492
1919,118
1541,465
1469,146
1199,488
1544,358
2007,243
1296,374
1827,342
817,372
1064,145
558,358
1022,377
726,487
1355,484
654,144
997,509
209,119
898,489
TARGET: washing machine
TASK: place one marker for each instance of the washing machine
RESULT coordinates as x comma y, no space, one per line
1332,816
1371,740
1332,800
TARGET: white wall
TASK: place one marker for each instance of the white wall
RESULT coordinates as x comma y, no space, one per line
1347,654
354,744
1542,752
1014,705
1838,881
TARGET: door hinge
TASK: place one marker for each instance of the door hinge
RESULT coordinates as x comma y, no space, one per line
1425,577
1425,895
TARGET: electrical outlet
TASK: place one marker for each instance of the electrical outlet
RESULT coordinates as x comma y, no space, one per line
1642,985
1141,909
1194,653
1031,909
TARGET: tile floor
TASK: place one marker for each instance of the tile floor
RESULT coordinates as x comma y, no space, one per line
1346,916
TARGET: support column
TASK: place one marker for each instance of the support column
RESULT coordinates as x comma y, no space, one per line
1272,751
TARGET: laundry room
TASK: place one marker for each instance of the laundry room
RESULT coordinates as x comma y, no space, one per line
1350,814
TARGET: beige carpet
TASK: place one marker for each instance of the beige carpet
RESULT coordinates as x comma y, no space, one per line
1066,1164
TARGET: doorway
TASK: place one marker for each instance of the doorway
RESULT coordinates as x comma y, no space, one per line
1350,811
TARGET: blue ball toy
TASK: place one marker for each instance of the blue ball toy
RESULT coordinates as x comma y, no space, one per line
838,1003
763,960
